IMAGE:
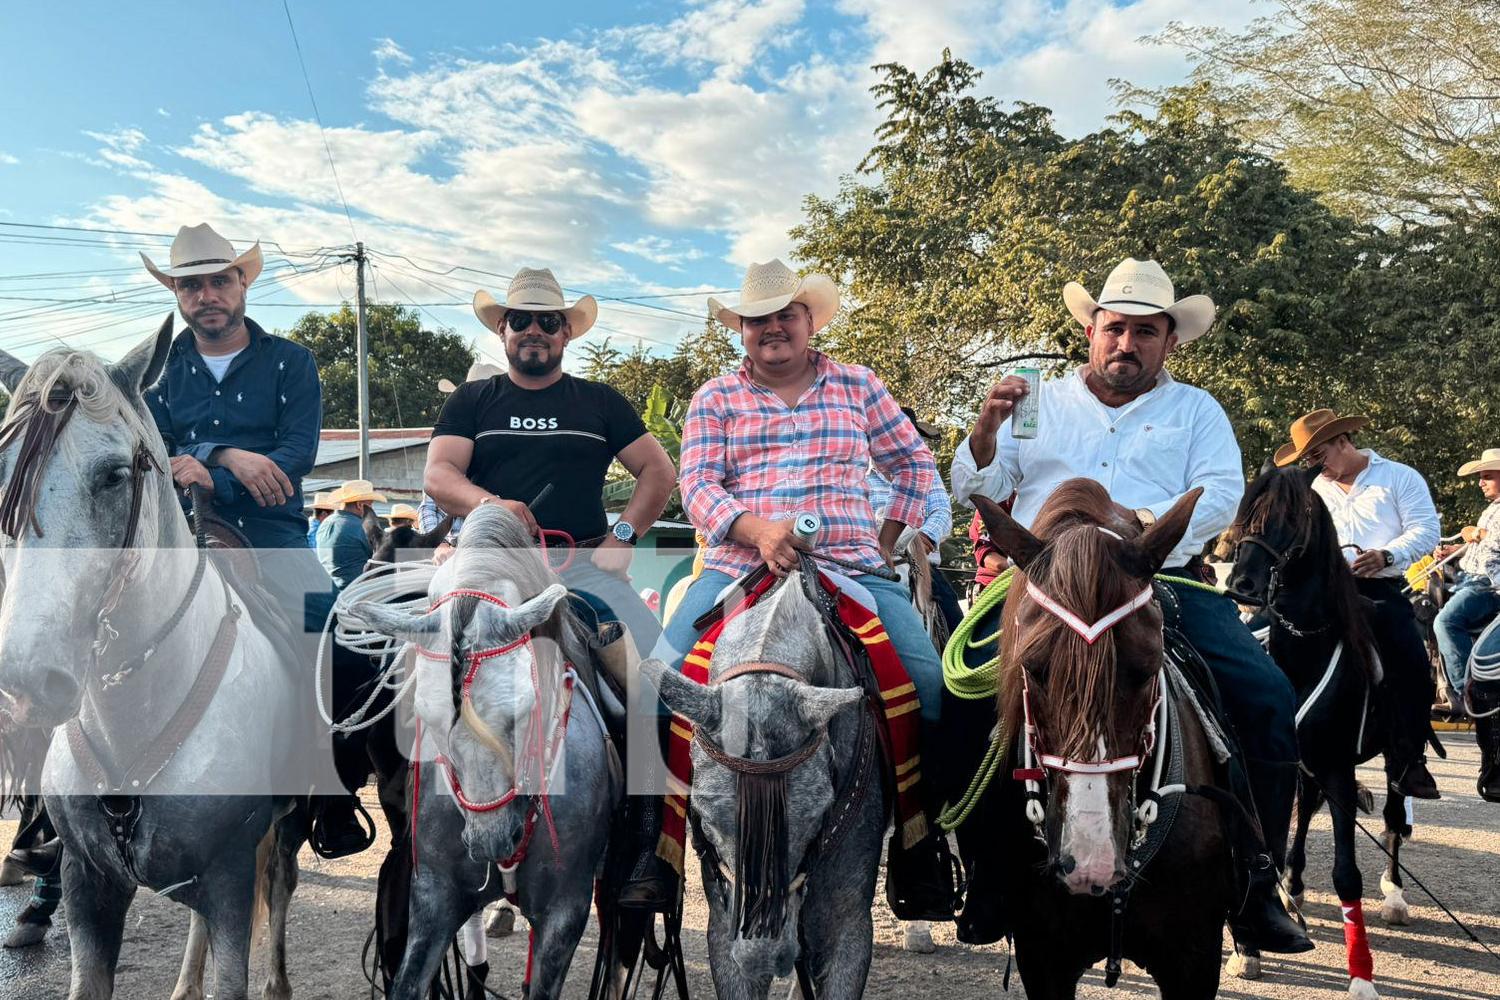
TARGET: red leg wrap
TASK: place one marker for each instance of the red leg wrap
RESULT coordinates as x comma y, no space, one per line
531,950
1356,944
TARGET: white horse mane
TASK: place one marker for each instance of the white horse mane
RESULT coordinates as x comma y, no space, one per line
86,377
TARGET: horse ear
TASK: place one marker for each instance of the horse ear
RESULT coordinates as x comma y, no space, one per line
535,612
139,370
374,533
12,370
697,703
1311,475
432,539
1143,557
1020,545
396,623
1267,467
819,705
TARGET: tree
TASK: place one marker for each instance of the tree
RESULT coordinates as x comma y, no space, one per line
1388,107
406,362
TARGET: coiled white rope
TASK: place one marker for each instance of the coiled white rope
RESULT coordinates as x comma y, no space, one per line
1483,667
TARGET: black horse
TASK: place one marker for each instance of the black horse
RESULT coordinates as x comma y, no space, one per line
1287,561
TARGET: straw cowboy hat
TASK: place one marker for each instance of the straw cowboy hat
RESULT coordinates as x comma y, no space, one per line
479,371
200,250
405,510
1312,430
1142,288
771,286
1488,462
323,500
536,291
357,491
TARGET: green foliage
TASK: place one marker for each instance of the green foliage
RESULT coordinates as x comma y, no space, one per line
1388,107
634,374
406,362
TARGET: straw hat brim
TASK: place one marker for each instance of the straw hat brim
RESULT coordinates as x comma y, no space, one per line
1479,465
580,315
250,262
1289,452
362,497
816,291
1192,315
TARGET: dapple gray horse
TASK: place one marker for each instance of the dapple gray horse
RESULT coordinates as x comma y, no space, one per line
775,694
477,698
74,557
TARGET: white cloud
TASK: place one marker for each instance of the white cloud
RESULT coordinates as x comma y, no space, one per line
164,112
387,49
8,160
659,250
727,34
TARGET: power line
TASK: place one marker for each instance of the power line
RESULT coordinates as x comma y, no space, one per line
319,117
307,251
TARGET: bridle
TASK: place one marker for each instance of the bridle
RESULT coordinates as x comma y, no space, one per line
761,888
1280,559
540,751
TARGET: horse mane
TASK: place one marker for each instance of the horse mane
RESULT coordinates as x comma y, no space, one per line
60,383
1284,496
1078,569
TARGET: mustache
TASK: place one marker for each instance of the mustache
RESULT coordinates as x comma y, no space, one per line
1124,356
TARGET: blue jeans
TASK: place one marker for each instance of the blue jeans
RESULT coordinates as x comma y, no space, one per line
1472,603
1258,697
892,603
611,599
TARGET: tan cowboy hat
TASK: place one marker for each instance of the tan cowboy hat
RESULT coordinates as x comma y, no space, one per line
535,291
1312,430
479,371
403,510
200,250
1142,288
323,500
770,286
357,491
1488,462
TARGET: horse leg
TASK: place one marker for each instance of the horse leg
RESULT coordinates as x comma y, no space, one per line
1045,972
190,977
554,938
96,904
279,882
1394,909
438,910
1309,800
838,935
1338,785
1189,974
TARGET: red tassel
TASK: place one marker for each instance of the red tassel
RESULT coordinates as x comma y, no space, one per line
1356,944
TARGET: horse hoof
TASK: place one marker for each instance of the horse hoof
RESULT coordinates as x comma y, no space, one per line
12,873
1364,798
27,934
501,922
1362,989
1395,910
919,938
276,992
1244,966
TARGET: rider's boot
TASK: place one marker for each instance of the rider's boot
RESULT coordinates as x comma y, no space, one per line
1484,698
652,883
1262,922
920,880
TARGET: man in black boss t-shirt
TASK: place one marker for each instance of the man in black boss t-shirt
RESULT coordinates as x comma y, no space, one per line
508,438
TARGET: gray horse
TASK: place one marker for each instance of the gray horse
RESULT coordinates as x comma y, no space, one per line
484,694
97,542
770,744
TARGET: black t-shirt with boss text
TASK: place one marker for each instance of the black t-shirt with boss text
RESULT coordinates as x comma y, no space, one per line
525,439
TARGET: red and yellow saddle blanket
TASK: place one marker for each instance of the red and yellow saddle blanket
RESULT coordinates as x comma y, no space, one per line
901,722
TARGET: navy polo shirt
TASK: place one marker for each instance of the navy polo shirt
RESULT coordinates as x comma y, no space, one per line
270,401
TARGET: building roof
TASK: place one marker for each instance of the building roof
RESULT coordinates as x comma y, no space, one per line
340,445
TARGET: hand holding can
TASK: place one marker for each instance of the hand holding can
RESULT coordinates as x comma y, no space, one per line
1000,403
1024,417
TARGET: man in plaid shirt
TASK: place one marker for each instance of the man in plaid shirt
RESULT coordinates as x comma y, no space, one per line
793,431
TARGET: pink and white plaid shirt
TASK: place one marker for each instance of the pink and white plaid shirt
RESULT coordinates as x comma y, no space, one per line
743,449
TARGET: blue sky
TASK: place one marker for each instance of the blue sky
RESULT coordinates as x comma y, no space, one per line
644,151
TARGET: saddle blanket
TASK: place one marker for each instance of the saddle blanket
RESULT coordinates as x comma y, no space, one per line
899,719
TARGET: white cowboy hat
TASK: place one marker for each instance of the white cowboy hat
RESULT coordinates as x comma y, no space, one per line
1142,288
200,250
1488,462
323,500
535,291
357,491
479,371
770,286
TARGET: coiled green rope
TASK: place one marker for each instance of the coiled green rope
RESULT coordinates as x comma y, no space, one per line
983,681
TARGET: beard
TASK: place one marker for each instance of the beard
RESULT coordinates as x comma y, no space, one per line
236,320
1131,378
523,361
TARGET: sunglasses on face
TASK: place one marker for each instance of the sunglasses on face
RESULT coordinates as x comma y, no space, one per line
520,321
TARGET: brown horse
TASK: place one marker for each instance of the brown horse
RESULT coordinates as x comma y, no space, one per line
1084,692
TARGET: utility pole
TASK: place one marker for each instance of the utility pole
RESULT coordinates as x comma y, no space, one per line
362,347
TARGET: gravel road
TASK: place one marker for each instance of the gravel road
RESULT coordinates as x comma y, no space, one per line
1456,851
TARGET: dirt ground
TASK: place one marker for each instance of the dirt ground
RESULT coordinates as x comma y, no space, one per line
1455,851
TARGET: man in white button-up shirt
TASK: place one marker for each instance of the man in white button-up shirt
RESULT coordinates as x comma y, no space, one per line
1386,521
1122,421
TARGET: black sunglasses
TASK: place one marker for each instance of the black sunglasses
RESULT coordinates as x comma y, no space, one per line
520,321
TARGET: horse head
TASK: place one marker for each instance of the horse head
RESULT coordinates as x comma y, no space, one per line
492,691
1082,654
1281,525
84,474
763,768
402,542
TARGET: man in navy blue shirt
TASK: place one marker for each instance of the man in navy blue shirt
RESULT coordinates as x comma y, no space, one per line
241,410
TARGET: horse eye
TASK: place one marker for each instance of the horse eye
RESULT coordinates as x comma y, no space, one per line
115,476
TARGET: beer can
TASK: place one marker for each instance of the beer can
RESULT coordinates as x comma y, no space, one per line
1023,419
806,525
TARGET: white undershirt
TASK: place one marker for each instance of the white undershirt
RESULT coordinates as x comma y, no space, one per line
218,364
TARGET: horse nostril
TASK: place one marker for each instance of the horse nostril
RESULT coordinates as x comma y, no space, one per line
1066,864
59,690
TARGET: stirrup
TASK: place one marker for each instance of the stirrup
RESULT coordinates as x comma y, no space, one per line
353,839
